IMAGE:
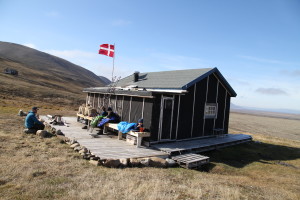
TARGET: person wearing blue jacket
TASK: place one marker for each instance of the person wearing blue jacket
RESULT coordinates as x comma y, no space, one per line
31,122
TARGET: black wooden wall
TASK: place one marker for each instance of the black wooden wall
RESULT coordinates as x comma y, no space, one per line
191,121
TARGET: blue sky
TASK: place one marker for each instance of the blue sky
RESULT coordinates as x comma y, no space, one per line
255,44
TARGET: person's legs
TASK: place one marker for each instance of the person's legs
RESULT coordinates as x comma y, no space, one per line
39,126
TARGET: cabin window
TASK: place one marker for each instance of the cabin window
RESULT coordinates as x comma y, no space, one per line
211,110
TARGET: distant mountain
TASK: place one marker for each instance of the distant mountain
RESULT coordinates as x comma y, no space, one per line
105,80
278,113
278,110
41,74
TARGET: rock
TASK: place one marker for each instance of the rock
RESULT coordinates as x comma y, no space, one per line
58,132
72,141
53,130
124,162
87,157
144,161
94,162
22,113
83,150
77,148
75,145
171,162
158,162
133,162
94,157
112,163
42,133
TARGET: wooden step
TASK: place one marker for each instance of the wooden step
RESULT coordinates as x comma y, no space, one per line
191,160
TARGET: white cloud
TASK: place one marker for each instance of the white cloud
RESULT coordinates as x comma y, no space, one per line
271,91
30,45
121,22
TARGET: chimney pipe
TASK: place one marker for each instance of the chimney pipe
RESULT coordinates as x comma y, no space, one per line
136,76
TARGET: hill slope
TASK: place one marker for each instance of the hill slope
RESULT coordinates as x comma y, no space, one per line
41,75
105,80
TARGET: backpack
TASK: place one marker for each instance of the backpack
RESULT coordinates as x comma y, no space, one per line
95,120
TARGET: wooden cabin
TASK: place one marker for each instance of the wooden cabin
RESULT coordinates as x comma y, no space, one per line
175,105
10,71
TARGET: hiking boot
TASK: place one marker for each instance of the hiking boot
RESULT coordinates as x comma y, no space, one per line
100,132
85,127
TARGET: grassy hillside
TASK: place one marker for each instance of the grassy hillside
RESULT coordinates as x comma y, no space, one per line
42,77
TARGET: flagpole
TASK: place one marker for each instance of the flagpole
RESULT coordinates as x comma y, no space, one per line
112,74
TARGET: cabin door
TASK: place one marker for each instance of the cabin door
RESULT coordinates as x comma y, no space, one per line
166,114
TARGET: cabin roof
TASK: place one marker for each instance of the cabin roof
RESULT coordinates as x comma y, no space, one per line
174,80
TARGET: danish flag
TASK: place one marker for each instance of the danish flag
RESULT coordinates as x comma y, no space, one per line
107,49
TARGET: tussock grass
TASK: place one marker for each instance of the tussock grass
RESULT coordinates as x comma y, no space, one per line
35,168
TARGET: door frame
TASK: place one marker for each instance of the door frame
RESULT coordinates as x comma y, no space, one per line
162,103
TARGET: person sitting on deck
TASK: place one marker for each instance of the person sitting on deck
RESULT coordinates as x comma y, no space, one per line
104,113
139,127
110,118
113,117
31,122
98,118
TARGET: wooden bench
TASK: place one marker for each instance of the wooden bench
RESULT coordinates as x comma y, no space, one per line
139,135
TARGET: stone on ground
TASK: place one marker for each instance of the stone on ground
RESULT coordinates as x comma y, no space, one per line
42,133
94,157
124,162
94,162
75,145
171,162
77,148
58,132
144,161
133,162
112,163
83,150
158,162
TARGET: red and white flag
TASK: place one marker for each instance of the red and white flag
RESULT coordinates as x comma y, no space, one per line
107,49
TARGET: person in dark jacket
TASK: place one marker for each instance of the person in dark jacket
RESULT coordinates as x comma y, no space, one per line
104,113
113,117
31,122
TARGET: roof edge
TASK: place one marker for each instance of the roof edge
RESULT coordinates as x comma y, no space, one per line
213,70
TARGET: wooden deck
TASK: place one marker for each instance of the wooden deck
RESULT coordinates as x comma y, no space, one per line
109,147
202,145
104,146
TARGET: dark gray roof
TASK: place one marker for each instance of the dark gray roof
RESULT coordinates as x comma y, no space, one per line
178,79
